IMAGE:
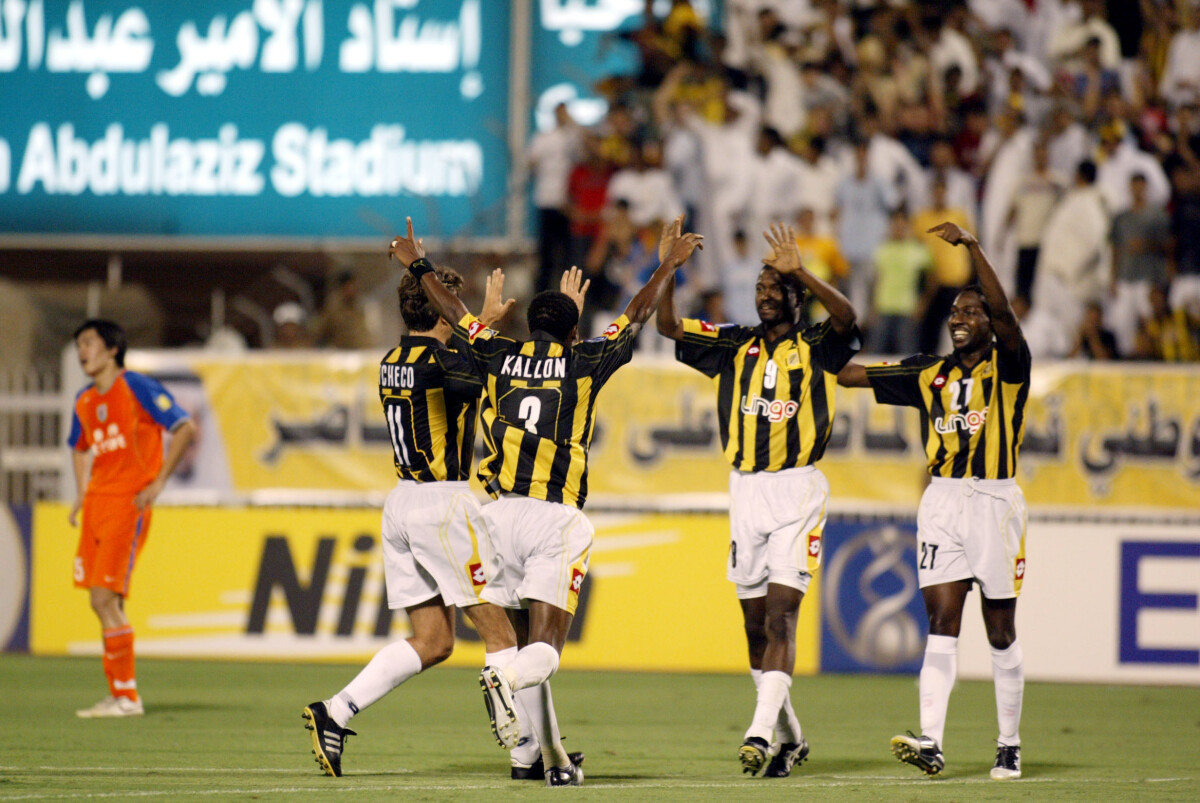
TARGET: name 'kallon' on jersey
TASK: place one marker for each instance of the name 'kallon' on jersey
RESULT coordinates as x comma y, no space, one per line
529,368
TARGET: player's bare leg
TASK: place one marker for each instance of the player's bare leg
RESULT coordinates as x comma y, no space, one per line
1008,673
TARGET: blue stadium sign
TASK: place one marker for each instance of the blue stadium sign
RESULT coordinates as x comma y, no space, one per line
312,118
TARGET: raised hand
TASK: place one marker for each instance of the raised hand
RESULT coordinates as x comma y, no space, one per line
682,248
666,240
574,285
785,253
953,234
494,305
407,249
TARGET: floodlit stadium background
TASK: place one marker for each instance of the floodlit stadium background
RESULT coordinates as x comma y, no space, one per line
265,545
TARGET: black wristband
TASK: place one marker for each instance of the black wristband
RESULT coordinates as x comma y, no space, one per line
420,267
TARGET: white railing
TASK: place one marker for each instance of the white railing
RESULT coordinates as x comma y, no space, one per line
32,430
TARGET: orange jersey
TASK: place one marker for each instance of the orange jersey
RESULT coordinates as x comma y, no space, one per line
123,428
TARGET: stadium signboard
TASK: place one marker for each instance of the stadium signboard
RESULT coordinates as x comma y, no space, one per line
1101,602
299,118
307,584
1096,438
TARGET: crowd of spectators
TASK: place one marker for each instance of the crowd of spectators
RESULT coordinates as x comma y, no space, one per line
1066,133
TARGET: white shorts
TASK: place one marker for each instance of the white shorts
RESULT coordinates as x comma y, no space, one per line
434,542
973,530
541,552
776,519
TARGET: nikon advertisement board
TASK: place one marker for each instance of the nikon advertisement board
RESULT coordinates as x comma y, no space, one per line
300,118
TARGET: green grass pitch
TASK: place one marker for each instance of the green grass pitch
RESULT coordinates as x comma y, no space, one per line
232,731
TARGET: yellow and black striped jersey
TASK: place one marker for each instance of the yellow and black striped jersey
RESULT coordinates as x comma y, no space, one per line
774,399
972,421
539,406
430,398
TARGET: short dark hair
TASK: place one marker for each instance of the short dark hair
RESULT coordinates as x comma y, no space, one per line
977,289
554,313
416,311
112,335
1087,171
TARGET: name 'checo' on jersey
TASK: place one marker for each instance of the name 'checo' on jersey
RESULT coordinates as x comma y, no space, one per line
430,398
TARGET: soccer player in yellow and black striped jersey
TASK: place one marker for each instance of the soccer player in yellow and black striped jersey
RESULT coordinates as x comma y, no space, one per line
435,546
538,414
775,385
971,521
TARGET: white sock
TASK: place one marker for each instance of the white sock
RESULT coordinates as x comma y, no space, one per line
787,728
533,665
501,659
527,750
937,680
772,691
1008,671
540,705
391,666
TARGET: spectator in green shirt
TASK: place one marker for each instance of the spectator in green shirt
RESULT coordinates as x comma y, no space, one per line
900,264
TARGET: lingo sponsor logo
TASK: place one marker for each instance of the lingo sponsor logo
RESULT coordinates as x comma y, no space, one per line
776,410
971,421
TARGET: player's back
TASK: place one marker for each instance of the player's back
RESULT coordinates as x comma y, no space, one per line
539,408
122,428
430,398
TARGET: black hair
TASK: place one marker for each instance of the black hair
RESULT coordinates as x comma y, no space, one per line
416,311
977,289
554,313
112,335
1087,171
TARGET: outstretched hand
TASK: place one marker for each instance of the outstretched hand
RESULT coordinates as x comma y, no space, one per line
407,249
675,246
494,305
953,234
785,253
574,285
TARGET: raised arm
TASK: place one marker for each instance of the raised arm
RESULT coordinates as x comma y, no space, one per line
668,321
1004,322
411,253
674,248
785,258
853,375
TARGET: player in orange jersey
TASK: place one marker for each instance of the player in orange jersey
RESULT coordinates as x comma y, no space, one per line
120,469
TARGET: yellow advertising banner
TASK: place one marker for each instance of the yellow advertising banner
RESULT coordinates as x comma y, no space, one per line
307,584
1107,436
